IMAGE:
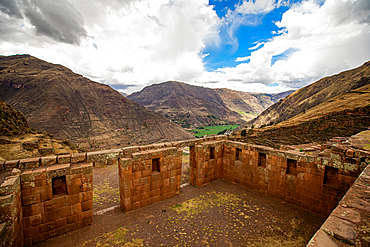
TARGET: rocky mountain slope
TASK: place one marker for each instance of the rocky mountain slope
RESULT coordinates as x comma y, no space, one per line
313,95
249,105
190,106
63,103
11,121
18,140
343,115
193,106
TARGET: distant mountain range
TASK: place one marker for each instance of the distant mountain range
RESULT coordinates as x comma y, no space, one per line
70,106
338,105
194,106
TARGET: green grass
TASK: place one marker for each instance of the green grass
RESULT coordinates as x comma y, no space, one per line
211,130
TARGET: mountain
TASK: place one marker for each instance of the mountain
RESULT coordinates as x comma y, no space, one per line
190,106
343,115
313,95
12,122
249,105
193,106
69,106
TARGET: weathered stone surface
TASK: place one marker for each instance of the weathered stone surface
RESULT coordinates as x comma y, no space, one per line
78,158
29,163
340,229
10,164
347,214
321,239
50,160
64,159
57,170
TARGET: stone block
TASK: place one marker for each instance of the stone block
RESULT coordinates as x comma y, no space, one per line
64,159
32,199
10,164
350,153
38,238
347,214
127,177
65,211
46,193
341,229
85,196
9,185
47,161
46,217
87,187
30,232
78,158
87,205
72,199
57,170
47,227
146,173
127,193
358,154
85,215
102,157
72,218
127,151
127,185
70,227
321,239
28,185
79,169
32,209
76,208
60,223
136,205
33,175
29,163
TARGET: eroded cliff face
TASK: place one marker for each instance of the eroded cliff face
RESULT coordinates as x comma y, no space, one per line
63,103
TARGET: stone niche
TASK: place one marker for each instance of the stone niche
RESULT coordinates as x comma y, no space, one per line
149,176
55,200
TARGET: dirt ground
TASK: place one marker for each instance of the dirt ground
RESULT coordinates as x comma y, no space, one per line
218,214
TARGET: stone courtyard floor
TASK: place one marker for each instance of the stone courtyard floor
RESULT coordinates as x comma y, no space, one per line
218,214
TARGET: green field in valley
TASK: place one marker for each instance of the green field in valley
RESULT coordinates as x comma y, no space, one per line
211,130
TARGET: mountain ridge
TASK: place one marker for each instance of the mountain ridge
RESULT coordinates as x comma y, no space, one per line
313,94
195,106
68,105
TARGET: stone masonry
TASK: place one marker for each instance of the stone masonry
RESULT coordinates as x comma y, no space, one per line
41,198
149,177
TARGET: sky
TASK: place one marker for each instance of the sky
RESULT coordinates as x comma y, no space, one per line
266,46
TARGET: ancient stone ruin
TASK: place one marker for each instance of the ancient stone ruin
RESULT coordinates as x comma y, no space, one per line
41,198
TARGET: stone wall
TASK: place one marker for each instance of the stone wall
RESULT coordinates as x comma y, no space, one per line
349,221
314,183
206,162
11,211
50,196
149,176
55,200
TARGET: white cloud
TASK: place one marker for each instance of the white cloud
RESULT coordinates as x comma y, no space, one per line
258,6
326,39
135,42
241,59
